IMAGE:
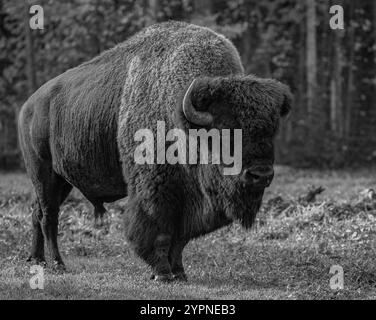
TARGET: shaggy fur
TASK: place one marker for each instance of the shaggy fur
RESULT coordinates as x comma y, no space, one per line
78,130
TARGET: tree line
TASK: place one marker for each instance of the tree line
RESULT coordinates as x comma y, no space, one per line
331,72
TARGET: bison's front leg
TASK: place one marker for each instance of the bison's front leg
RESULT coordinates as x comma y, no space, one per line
161,264
176,260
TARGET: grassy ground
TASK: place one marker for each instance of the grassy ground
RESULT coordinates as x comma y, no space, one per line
287,255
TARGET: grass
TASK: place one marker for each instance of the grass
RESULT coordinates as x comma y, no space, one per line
287,255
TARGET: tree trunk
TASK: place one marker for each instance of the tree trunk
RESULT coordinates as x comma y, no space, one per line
30,58
363,117
301,72
311,56
251,38
154,7
350,73
336,107
374,50
203,7
151,9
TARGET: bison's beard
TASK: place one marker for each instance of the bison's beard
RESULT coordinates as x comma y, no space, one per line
247,206
231,197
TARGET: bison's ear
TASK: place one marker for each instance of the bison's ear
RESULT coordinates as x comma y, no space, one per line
287,100
273,91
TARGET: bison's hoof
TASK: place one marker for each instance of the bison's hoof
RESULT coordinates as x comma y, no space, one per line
181,276
162,278
37,260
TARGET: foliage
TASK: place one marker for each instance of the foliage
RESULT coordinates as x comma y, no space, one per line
270,35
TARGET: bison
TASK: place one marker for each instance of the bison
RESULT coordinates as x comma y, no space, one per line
78,129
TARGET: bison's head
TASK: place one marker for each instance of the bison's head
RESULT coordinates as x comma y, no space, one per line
253,105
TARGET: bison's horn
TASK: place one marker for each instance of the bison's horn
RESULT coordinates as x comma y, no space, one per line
197,117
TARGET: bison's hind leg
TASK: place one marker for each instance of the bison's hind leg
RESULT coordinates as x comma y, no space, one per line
37,245
51,191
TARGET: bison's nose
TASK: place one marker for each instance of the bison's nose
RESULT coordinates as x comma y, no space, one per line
258,176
